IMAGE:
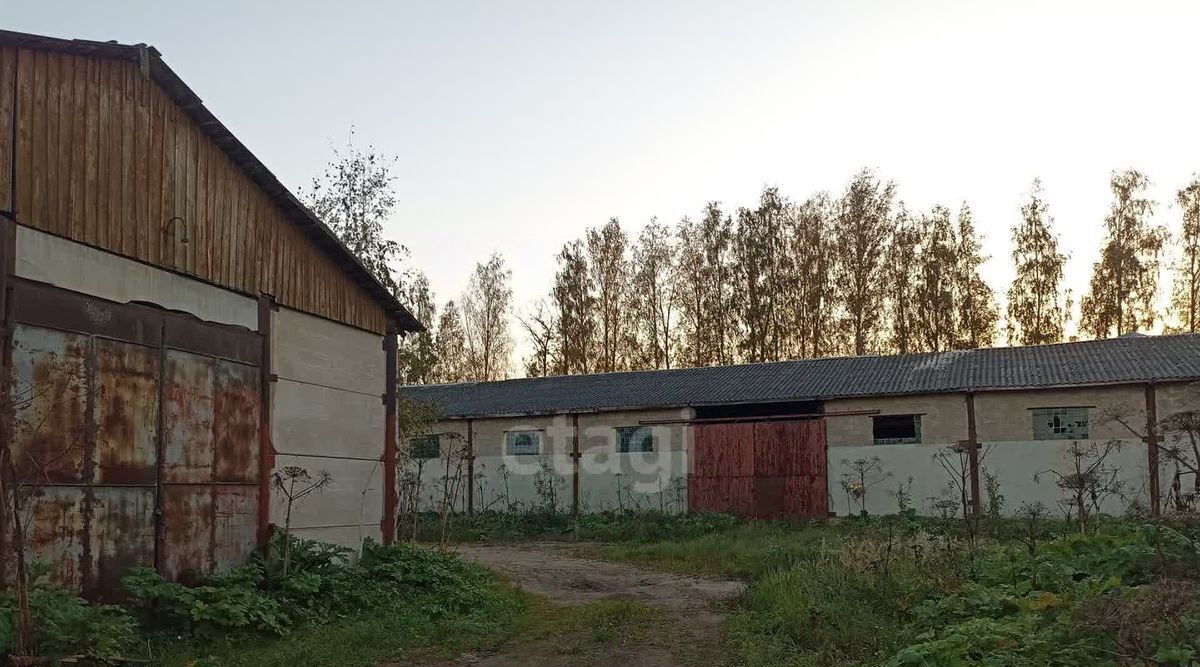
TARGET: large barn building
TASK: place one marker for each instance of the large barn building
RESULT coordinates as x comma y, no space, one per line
177,326
782,439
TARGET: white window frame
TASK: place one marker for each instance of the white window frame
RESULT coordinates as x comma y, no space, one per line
635,428
1038,413
511,436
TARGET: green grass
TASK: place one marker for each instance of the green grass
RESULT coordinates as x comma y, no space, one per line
365,639
803,605
741,551
906,591
405,633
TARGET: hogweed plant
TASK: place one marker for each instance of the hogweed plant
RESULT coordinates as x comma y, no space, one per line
864,474
295,484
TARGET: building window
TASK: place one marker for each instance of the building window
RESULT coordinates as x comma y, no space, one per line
634,439
897,429
1060,423
522,443
425,447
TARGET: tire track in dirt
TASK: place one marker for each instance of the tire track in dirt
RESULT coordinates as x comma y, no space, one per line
690,633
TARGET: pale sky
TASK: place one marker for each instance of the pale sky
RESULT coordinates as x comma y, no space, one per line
520,124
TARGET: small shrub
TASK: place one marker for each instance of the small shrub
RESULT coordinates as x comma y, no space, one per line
67,625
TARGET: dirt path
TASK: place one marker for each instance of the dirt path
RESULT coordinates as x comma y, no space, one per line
689,632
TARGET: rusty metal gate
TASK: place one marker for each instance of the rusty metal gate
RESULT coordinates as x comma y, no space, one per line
136,437
764,469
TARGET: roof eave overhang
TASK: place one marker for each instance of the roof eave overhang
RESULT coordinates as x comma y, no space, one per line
150,59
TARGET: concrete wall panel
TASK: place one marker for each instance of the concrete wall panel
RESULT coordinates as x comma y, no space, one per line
510,483
356,492
350,537
84,269
318,351
943,418
315,420
641,481
1006,416
897,463
1176,398
1017,464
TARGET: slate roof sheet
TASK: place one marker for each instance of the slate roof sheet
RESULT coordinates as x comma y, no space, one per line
1130,359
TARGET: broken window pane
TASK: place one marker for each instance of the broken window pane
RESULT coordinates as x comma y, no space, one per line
1060,423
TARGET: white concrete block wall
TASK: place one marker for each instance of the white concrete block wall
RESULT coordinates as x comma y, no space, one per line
897,463
80,268
328,415
1025,472
640,481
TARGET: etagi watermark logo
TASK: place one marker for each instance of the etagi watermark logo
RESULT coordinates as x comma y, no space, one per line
531,448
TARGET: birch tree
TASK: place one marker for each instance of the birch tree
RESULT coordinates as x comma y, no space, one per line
355,196
486,305
450,344
863,226
607,265
704,287
762,266
417,354
1185,299
976,319
1124,286
1038,306
541,327
573,303
652,295
813,308
936,307
902,279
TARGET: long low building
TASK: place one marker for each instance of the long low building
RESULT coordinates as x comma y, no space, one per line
820,437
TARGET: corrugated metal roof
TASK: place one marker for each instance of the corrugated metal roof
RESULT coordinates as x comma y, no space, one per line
1112,361
158,70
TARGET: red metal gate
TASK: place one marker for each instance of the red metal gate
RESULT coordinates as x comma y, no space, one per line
137,438
766,470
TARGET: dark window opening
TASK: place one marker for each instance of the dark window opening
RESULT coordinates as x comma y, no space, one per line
781,409
897,429
425,447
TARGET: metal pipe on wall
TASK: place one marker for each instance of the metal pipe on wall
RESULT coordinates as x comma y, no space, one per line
266,449
390,348
1152,448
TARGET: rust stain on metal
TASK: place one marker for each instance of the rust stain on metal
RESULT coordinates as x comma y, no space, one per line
189,418
236,412
234,533
766,470
126,412
189,511
50,397
89,444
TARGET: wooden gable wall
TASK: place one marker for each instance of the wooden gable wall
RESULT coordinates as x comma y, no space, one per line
105,157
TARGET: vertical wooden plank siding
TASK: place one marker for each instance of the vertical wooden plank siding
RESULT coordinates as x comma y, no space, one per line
105,157
8,77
